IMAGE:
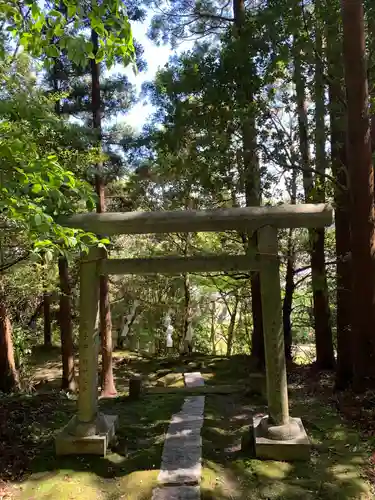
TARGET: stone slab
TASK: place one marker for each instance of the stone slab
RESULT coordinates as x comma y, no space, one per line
203,389
177,493
295,449
193,379
181,462
66,443
182,452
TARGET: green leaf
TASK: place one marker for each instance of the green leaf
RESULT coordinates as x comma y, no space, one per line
52,51
36,188
39,24
43,243
89,47
55,13
58,30
72,9
100,55
24,40
35,11
37,219
90,205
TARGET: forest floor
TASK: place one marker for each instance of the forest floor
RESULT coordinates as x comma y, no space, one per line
340,467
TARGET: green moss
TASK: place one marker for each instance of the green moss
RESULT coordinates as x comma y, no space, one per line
135,457
333,473
68,485
130,470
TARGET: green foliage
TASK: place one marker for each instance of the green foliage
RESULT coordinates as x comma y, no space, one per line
51,29
37,183
21,346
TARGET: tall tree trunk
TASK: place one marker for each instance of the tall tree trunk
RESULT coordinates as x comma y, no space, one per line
361,177
213,325
68,379
186,322
245,101
107,379
323,330
47,330
66,328
370,14
325,358
231,327
289,276
9,380
288,297
344,365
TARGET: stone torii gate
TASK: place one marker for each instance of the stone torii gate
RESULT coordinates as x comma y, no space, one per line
277,436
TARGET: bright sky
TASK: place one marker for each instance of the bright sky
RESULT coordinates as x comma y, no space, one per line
156,58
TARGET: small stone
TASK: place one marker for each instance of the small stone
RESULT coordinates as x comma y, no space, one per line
193,379
176,493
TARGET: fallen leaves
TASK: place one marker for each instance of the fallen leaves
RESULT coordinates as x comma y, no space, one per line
27,424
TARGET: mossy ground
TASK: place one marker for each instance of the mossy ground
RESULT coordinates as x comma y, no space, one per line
333,473
130,470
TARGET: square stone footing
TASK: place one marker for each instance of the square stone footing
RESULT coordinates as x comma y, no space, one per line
177,493
290,450
67,443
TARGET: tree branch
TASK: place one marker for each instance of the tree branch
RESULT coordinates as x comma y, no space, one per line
5,267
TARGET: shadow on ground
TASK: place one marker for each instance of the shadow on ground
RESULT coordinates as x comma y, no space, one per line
333,473
28,424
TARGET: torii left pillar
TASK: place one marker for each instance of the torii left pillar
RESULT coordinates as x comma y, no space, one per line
88,432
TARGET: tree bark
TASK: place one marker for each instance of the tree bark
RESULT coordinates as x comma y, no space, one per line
186,346
245,101
186,321
371,73
212,335
47,330
325,358
361,178
9,379
66,328
107,379
323,331
289,275
288,297
344,365
231,327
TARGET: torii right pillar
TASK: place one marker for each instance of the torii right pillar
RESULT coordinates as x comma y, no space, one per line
277,436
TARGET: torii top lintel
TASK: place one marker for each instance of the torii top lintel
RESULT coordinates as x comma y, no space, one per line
186,221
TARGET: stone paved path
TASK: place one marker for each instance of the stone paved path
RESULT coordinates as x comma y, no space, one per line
181,467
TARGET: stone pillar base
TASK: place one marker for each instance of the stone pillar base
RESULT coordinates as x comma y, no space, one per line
78,438
270,444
